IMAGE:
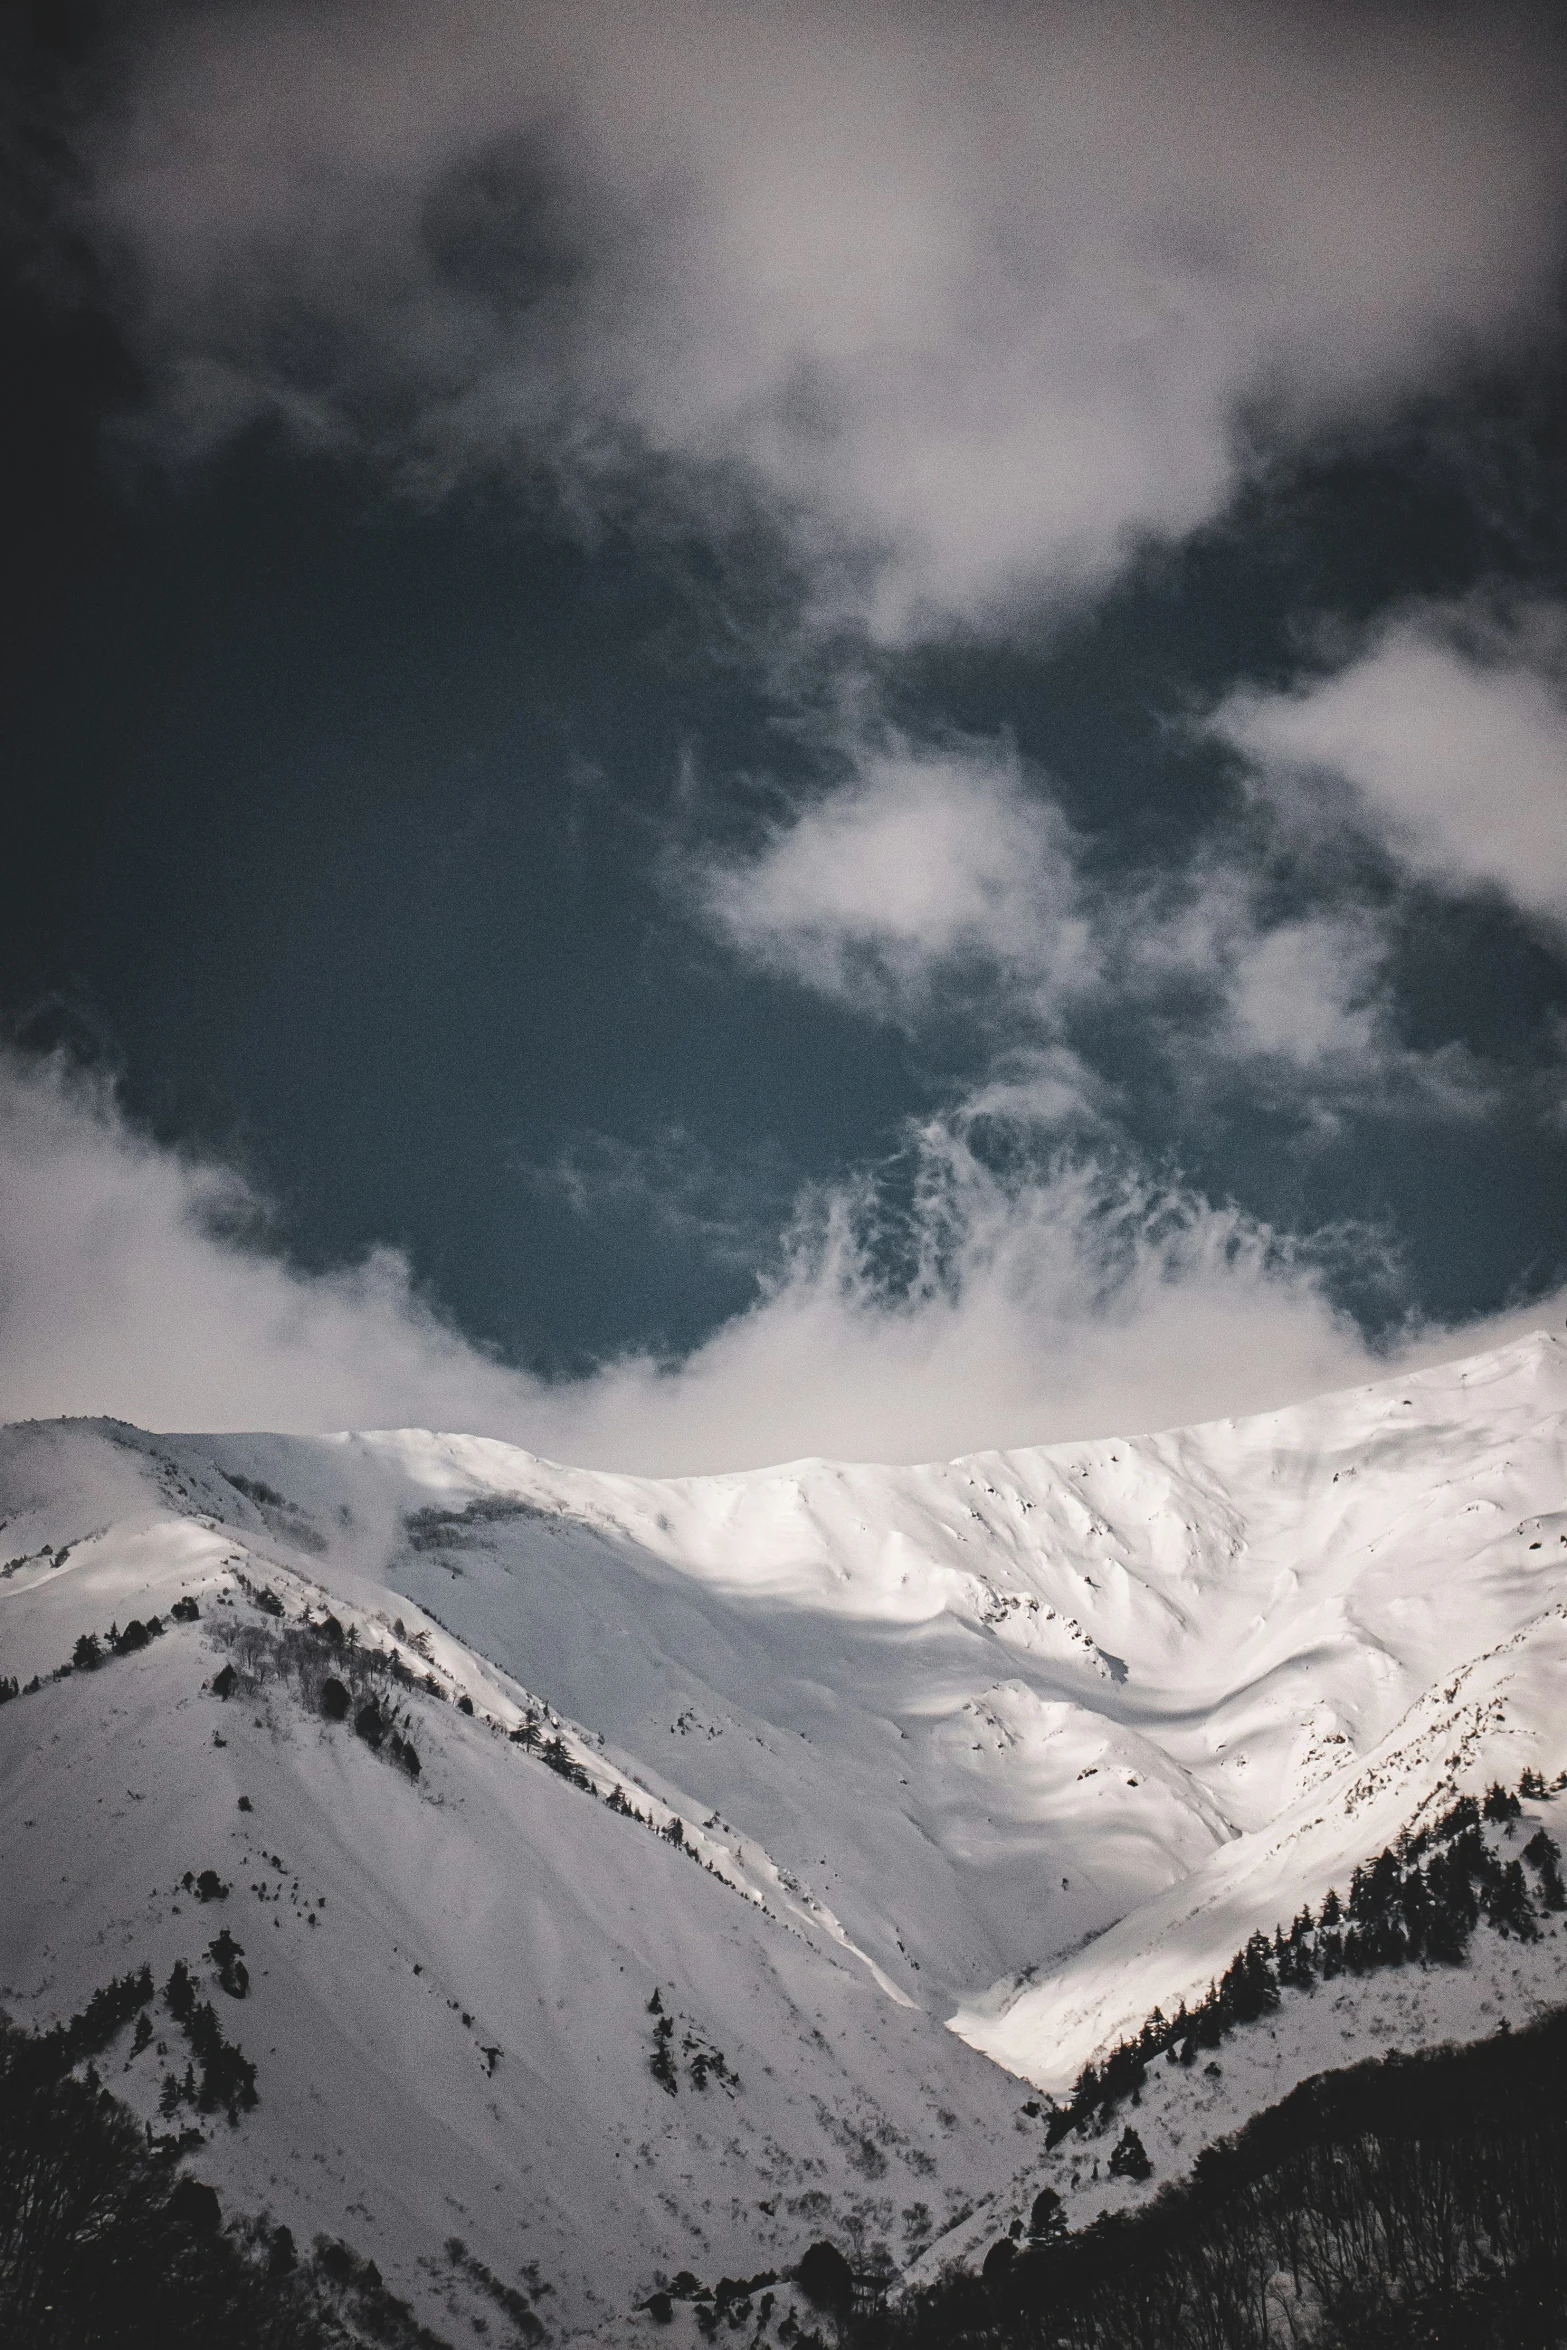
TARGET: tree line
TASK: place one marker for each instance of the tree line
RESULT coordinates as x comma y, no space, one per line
1419,1901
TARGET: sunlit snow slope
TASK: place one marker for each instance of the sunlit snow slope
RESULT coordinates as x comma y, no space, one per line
1037,1737
984,1709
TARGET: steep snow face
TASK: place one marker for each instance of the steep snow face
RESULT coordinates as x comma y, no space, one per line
984,1709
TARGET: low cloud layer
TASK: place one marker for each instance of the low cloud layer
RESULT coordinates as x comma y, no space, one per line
1061,1300
972,301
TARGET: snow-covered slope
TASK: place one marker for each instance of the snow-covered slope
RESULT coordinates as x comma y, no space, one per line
935,1693
1489,1719
449,1976
1035,1737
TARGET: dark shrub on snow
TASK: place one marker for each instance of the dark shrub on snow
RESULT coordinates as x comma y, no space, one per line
1130,2158
196,2207
228,1956
825,2277
1047,2220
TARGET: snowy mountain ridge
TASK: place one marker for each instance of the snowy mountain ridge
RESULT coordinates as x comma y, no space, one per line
1027,1742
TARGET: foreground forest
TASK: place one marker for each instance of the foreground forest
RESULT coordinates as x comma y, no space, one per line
108,2243
1417,2201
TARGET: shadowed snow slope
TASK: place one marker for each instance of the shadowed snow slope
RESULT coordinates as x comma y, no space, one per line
1038,1735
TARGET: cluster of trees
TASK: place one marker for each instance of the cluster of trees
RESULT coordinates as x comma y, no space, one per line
703,2062
1129,2157
1419,1901
228,1957
255,1489
464,1529
294,1523
516,2302
333,1672
93,1649
823,2273
33,2059
557,1756
661,2064
377,1726
89,1652
310,1651
1417,2201
208,1886
226,2082
105,2239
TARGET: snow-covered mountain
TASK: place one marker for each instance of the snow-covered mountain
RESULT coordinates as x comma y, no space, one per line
1027,1742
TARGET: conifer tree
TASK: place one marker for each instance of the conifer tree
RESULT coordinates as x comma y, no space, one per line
1130,2157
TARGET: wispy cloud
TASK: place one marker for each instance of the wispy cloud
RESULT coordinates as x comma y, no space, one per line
1295,1008
941,889
973,303
725,1211
1445,734
928,868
